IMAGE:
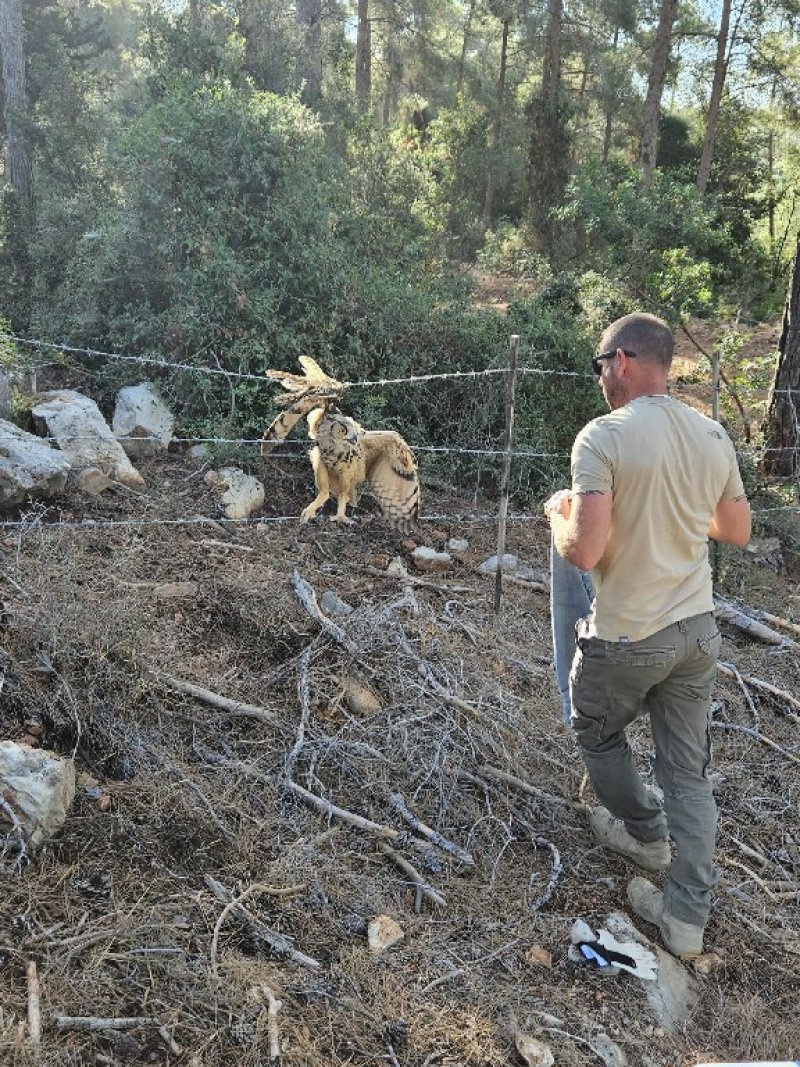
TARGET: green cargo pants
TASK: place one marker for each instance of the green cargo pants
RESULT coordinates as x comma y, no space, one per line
669,676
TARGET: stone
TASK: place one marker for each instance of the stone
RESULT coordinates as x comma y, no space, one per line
428,559
489,566
29,467
199,452
38,786
93,481
240,494
534,1052
382,933
83,435
359,697
457,544
142,423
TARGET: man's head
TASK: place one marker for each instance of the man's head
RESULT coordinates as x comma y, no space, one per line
634,358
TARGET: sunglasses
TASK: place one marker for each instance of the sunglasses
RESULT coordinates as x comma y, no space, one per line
598,370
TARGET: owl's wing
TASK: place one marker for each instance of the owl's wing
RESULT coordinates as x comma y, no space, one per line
281,426
392,476
313,378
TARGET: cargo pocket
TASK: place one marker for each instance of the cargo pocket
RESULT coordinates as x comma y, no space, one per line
710,644
627,656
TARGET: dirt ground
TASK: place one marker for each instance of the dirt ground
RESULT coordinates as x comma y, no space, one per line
185,806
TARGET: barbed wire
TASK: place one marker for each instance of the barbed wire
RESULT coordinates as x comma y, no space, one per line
34,524
95,353
413,379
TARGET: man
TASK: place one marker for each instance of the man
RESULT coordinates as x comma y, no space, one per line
651,482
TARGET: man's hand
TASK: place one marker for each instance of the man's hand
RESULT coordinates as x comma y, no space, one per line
560,503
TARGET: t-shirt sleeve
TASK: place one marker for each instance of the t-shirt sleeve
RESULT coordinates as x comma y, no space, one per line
592,467
734,486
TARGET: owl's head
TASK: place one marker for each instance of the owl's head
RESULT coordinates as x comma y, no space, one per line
341,429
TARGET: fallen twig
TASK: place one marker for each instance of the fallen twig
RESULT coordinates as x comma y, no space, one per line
525,787
408,868
206,696
757,735
273,1007
304,696
34,1006
776,620
333,811
276,941
94,1022
747,697
750,874
397,801
308,598
555,873
729,671
211,543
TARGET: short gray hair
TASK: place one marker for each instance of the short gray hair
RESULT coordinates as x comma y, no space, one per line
649,337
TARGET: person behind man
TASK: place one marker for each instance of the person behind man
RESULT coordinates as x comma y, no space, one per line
651,482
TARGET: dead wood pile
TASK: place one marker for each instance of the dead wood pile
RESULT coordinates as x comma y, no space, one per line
266,779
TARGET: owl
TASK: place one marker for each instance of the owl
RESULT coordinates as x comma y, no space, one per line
345,454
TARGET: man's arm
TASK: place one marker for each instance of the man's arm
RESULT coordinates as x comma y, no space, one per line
580,527
731,522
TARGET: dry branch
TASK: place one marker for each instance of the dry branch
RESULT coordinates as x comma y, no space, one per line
752,627
273,1007
94,1022
397,801
206,696
280,944
758,736
555,873
777,620
425,888
524,787
729,671
34,1006
308,599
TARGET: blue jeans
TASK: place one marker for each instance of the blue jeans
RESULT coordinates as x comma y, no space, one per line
571,596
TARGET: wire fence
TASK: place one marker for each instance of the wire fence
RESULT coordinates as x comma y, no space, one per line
290,449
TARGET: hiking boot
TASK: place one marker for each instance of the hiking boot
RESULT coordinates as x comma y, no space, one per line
611,833
684,940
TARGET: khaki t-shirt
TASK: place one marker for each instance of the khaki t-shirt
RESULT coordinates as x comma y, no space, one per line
667,467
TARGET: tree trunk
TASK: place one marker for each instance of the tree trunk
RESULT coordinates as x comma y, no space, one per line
12,45
497,125
548,159
462,62
394,70
717,85
609,124
782,429
308,16
658,73
551,74
363,58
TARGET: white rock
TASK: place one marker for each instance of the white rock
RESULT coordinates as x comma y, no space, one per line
428,559
142,423
83,435
534,1052
199,452
489,566
457,544
240,494
38,786
382,933
29,467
